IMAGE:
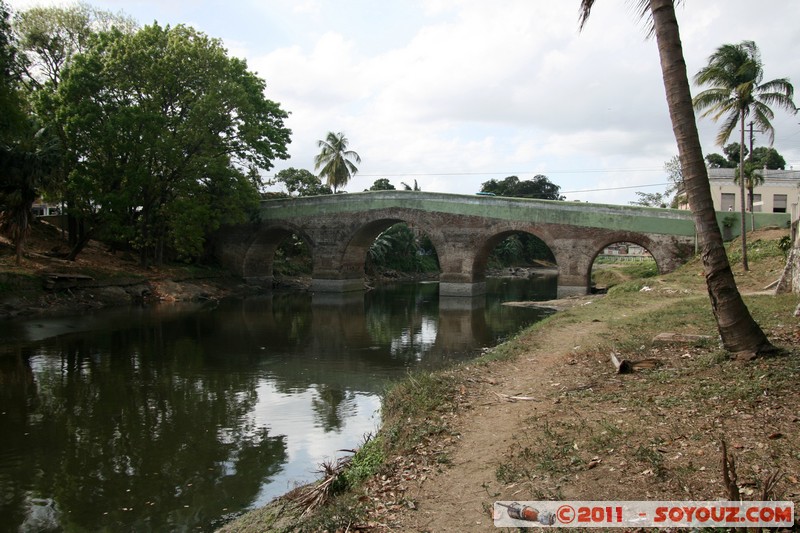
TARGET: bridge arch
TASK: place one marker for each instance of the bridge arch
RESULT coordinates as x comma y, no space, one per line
342,263
481,260
259,256
657,252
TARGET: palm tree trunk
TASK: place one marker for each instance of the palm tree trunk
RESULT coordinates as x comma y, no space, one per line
739,332
745,266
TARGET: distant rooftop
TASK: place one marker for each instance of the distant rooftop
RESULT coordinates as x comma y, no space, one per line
771,175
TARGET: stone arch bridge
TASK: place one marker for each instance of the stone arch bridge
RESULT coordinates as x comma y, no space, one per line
464,229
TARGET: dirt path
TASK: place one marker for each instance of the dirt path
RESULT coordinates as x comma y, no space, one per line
458,498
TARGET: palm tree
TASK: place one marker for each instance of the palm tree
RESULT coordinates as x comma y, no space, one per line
752,179
336,160
739,332
734,74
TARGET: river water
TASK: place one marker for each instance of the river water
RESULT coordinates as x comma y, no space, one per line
179,417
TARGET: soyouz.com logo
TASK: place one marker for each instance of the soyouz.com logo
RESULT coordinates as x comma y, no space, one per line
643,514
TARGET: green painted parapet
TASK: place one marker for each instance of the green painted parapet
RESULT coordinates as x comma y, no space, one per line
731,222
612,217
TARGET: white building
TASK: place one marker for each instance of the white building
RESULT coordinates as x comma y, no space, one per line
780,192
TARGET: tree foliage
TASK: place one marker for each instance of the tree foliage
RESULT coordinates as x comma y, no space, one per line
520,249
762,157
11,113
736,91
674,196
167,135
337,163
301,182
50,36
650,199
400,248
538,187
382,184
677,187
407,187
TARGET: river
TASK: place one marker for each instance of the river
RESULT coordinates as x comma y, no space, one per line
179,417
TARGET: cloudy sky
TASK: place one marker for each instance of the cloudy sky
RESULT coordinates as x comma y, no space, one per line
452,93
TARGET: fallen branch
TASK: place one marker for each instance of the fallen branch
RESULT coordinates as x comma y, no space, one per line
729,474
507,398
768,491
624,366
317,494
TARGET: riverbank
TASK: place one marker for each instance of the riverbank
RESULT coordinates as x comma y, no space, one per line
44,284
546,416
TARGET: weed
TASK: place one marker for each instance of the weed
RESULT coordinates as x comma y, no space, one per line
409,405
609,434
366,462
652,458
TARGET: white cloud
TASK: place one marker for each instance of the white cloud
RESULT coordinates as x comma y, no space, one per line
467,86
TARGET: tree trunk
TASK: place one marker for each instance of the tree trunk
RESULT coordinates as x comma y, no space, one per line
741,193
83,239
20,233
790,280
739,332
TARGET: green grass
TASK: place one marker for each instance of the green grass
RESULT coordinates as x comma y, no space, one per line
366,462
418,398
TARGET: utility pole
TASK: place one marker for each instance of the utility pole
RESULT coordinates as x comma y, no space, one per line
751,183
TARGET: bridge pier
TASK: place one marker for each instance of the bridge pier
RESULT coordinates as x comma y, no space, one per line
261,281
565,291
337,285
468,290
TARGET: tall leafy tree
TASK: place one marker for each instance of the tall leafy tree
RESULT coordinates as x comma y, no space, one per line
736,91
337,163
301,182
537,187
767,157
762,156
28,154
26,164
48,39
168,136
739,332
382,184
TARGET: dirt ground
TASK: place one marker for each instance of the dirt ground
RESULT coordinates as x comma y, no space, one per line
558,423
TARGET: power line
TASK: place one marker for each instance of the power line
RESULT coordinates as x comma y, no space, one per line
617,188
509,173
517,172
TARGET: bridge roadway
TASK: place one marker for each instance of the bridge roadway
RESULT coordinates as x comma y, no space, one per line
464,229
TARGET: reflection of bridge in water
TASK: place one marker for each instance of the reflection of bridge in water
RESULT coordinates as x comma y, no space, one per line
339,333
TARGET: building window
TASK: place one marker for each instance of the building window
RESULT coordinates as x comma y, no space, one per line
728,201
757,203
779,203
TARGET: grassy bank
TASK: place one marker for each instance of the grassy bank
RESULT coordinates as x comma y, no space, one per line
545,415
